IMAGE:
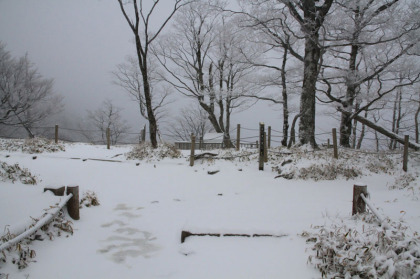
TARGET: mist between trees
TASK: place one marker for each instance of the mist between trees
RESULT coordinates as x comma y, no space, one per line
355,61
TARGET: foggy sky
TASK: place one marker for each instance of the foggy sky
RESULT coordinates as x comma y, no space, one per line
78,43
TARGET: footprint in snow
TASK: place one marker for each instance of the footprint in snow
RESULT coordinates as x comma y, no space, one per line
126,241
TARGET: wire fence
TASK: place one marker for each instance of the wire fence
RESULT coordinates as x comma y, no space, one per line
373,145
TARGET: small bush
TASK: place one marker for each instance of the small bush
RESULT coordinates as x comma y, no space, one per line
89,199
22,254
31,146
144,151
299,163
372,252
15,172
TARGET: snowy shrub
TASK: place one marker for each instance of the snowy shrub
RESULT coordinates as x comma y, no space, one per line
15,172
144,151
301,163
240,156
89,199
328,171
341,251
403,181
35,145
21,254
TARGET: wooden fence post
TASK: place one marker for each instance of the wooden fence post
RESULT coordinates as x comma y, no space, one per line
73,203
269,138
334,134
143,134
108,138
56,134
261,147
328,143
405,156
265,148
256,144
238,137
192,150
359,205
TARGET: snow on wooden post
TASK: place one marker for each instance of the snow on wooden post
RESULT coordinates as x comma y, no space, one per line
334,134
405,156
359,205
265,148
269,138
73,203
192,150
108,138
56,134
238,137
261,147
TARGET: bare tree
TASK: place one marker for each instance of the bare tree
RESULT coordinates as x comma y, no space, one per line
192,120
26,98
129,77
140,25
272,28
107,116
363,44
310,15
201,58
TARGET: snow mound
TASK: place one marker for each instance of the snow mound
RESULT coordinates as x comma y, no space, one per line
31,146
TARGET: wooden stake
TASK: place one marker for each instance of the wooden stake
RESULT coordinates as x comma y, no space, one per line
73,203
269,138
334,134
405,156
108,138
192,150
238,137
56,134
265,148
261,147
359,206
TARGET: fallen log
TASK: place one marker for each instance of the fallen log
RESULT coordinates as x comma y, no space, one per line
185,234
205,155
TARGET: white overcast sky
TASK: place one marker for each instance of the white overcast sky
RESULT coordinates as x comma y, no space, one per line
79,43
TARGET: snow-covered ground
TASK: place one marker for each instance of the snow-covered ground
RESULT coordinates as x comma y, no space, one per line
145,205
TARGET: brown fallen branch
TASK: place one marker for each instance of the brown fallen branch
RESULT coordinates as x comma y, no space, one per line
213,172
185,234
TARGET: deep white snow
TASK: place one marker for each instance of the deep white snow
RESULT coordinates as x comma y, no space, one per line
136,231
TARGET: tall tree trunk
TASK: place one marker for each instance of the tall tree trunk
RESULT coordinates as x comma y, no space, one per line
346,124
285,104
142,59
307,99
416,122
312,21
362,133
